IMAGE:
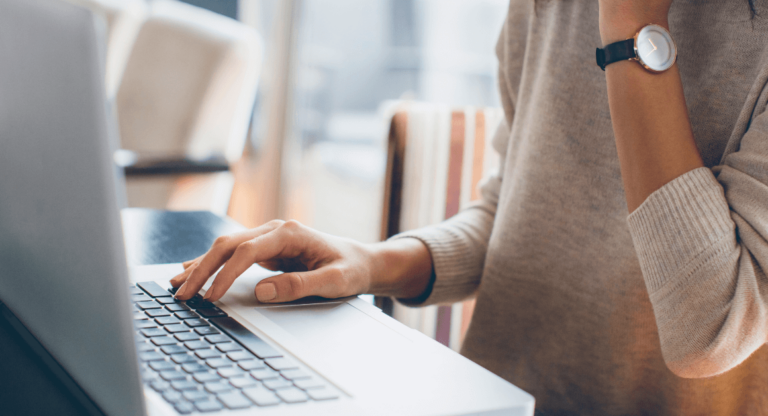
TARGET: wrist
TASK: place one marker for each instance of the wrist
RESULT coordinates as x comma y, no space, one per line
400,267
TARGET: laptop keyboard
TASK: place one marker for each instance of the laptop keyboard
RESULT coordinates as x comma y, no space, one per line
201,360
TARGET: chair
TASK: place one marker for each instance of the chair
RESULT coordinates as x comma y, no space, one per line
435,160
184,106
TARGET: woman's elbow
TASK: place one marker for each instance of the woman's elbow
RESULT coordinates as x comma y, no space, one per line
714,359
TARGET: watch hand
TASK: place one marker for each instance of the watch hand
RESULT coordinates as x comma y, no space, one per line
652,51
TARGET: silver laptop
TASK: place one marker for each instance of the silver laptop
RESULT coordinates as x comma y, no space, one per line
118,334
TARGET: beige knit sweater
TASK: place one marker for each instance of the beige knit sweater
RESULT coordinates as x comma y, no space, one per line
590,309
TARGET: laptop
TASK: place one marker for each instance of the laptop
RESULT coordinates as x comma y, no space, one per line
117,334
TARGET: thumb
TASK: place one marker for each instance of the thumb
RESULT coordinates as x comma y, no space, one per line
327,282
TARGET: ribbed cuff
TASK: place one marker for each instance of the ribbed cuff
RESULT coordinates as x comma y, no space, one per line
678,222
456,268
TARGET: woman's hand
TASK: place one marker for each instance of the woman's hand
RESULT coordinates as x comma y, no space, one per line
314,264
621,19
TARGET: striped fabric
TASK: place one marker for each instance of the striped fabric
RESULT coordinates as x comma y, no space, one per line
436,158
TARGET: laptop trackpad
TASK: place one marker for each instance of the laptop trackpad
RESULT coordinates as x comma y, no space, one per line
355,345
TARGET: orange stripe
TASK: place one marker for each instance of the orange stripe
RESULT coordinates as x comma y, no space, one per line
453,187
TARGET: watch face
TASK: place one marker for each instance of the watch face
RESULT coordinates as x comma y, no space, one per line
655,48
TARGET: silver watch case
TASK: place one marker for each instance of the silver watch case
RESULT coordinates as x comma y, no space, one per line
652,32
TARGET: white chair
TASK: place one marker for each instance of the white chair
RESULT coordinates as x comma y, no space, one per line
186,99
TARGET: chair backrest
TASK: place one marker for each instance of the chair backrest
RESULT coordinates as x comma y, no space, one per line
189,84
436,158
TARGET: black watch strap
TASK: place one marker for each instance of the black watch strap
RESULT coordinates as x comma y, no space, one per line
615,52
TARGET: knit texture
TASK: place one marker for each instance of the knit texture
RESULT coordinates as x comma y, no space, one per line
590,309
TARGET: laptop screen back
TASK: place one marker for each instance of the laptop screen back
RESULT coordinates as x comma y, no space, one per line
62,262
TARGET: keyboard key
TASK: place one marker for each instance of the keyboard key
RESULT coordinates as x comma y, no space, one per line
198,303
171,375
195,322
241,382
234,400
183,359
261,396
239,355
162,365
322,394
172,397
153,289
177,307
149,376
277,383
140,298
143,347
264,374
206,330
309,383
166,301
135,290
185,314
232,346
176,328
206,377
292,395
184,385
151,304
154,313
213,312
295,374
184,408
167,320
138,315
218,387
246,338
280,364
217,339
209,406
159,385
151,356
172,290
194,367
187,336
228,372
251,365
153,332
143,324
197,345
160,341
173,349
206,354
219,362
196,395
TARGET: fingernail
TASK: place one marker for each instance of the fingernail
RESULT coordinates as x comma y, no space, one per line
266,292
208,293
180,292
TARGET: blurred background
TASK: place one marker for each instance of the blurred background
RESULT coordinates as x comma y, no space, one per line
262,109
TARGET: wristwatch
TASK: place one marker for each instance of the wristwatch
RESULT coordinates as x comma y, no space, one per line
652,47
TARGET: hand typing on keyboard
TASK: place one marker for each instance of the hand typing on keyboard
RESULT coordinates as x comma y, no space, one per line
315,264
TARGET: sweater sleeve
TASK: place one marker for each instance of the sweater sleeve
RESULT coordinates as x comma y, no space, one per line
458,245
702,243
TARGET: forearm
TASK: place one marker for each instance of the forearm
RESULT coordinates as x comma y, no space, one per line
401,268
653,134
